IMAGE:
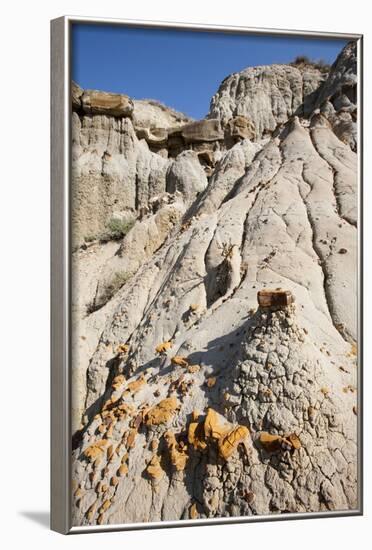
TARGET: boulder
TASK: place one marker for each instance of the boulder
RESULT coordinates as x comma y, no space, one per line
95,102
202,130
274,298
240,127
153,136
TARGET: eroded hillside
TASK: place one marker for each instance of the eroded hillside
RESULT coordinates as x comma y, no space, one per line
215,300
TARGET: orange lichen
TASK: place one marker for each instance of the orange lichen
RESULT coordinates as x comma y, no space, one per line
110,430
123,409
124,458
131,437
78,493
193,511
184,387
271,443
179,360
134,386
105,506
211,381
110,451
163,347
311,412
214,501
194,307
107,417
123,470
90,511
122,349
195,415
178,455
95,451
98,460
193,369
154,470
118,381
181,384
215,425
196,437
109,404
114,481
228,444
101,443
325,391
354,349
294,440
162,412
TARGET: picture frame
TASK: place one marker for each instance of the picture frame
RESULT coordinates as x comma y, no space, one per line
61,276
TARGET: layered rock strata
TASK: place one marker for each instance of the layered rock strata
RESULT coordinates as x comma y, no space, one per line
215,342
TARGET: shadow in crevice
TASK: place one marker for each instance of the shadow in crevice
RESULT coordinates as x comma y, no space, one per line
217,281
96,406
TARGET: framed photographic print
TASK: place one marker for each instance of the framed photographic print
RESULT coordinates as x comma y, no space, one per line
206,274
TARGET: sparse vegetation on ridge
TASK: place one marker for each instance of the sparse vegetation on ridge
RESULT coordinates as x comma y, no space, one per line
303,61
116,229
222,366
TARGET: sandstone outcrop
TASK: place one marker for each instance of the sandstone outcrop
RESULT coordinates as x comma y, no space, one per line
239,128
94,102
266,95
149,114
216,375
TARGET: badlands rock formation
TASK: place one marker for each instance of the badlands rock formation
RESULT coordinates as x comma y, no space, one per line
214,367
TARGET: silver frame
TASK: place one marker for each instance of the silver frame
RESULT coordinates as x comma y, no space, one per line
61,275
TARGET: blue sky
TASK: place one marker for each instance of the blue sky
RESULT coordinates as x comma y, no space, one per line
182,69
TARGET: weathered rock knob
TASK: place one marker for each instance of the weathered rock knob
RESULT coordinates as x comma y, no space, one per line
274,298
95,102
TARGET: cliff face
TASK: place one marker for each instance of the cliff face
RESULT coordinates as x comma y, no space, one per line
192,399
267,95
114,173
